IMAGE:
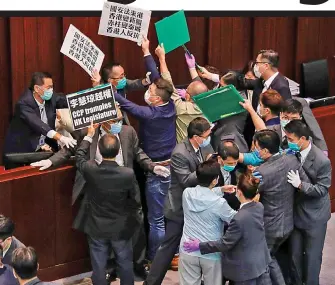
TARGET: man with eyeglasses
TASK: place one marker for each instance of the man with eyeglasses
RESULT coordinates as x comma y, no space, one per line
32,128
8,242
114,74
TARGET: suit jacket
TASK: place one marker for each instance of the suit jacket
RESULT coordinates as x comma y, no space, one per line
8,257
37,281
26,126
130,151
184,163
311,122
312,205
279,83
7,276
245,253
231,199
112,197
277,195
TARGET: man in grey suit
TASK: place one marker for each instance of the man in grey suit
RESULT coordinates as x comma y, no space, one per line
185,158
245,257
276,195
129,151
312,205
298,108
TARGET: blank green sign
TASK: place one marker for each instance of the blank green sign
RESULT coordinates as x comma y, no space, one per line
173,31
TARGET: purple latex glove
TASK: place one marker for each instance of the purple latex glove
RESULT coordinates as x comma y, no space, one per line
191,245
181,93
190,60
325,152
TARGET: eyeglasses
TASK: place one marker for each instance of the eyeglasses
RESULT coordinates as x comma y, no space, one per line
258,62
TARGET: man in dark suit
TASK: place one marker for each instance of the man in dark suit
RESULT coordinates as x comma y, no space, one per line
8,242
268,77
109,214
33,124
25,267
6,272
276,195
298,109
185,158
312,205
245,257
130,151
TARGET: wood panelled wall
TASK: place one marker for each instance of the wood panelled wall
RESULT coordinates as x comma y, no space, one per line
29,44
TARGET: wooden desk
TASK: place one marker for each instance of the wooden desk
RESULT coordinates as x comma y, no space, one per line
40,205
326,119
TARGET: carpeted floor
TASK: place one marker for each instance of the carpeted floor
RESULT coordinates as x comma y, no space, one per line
327,272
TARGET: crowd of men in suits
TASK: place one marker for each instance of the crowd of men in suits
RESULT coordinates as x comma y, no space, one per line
243,200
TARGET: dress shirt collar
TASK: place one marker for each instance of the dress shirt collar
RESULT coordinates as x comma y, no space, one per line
268,82
305,152
245,204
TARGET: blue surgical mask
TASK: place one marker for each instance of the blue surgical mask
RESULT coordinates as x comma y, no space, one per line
256,152
283,123
229,168
293,146
47,94
116,128
206,142
121,83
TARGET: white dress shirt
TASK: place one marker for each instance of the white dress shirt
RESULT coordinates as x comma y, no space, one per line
267,84
242,204
305,152
98,158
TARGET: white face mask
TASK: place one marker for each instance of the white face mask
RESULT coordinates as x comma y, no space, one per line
256,71
146,97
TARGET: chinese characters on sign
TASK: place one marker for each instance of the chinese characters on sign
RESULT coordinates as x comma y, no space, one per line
95,104
82,50
122,21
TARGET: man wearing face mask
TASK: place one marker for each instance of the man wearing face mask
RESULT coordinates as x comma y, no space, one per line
298,109
114,74
312,207
129,151
227,157
33,123
186,110
8,242
276,195
185,158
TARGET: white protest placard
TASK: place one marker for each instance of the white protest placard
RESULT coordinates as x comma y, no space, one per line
123,21
82,50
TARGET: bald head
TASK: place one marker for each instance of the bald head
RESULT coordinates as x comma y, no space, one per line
109,146
196,88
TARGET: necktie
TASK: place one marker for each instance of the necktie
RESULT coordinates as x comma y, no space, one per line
298,155
284,143
44,120
198,155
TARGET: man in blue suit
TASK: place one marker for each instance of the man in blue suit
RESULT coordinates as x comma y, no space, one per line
33,123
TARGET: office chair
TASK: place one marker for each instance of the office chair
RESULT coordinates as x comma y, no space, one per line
315,79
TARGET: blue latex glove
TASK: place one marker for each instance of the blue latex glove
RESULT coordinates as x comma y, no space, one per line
258,175
191,245
251,158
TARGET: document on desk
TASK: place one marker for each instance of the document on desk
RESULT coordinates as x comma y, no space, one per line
219,103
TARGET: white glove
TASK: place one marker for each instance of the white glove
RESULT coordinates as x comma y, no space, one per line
68,142
147,78
294,178
44,163
161,171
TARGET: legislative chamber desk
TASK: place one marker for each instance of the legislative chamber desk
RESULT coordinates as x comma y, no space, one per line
40,204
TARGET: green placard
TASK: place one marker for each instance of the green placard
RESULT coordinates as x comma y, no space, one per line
220,103
173,31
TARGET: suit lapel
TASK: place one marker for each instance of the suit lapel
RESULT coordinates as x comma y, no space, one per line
190,149
308,163
124,144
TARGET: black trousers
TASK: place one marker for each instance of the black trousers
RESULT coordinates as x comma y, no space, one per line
165,253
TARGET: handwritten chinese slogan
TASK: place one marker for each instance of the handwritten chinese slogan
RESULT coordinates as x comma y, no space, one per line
125,22
95,104
82,50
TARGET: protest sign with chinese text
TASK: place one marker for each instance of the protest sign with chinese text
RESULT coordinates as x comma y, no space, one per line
123,21
94,104
82,50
